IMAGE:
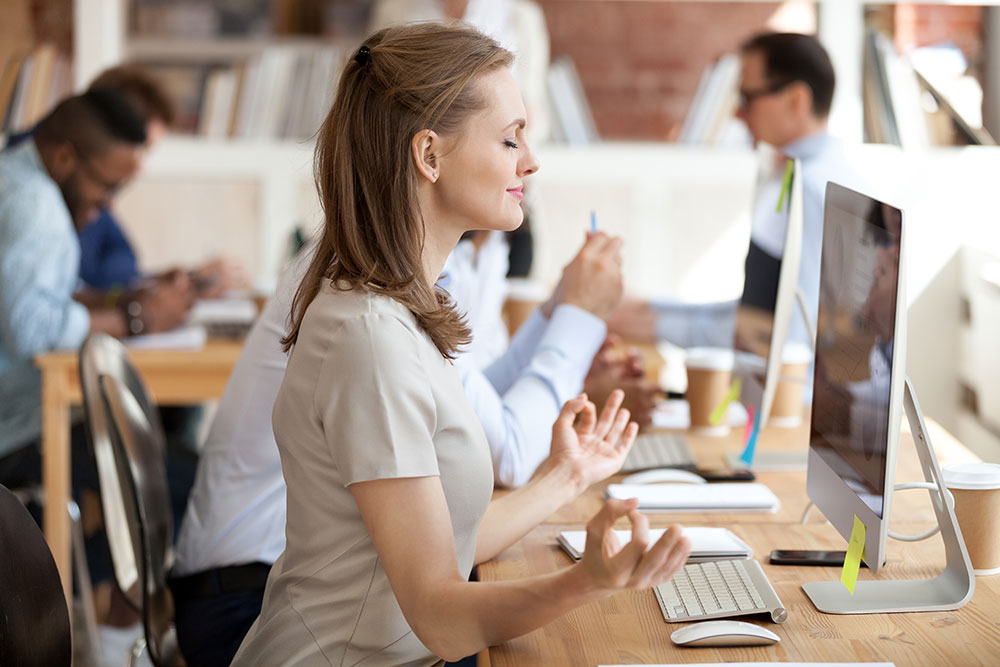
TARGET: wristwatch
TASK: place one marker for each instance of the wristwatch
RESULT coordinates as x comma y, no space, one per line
132,311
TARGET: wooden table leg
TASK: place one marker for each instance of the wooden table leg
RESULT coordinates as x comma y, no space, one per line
56,474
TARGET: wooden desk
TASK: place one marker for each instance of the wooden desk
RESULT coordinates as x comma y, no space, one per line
173,377
629,628
789,486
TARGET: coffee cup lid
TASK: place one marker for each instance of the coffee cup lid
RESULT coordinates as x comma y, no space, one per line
797,353
710,358
972,476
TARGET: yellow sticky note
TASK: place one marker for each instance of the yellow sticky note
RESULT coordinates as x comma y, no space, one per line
856,548
786,183
720,410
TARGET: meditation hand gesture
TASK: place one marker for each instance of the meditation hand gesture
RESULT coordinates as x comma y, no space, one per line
589,448
610,566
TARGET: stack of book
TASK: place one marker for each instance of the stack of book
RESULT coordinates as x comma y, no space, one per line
284,92
711,112
899,102
572,120
30,85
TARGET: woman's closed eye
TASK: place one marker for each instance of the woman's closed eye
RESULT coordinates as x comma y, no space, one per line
511,143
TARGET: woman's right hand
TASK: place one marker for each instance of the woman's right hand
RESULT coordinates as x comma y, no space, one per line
610,566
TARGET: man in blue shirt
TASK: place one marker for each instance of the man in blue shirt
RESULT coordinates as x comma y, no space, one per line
107,259
50,187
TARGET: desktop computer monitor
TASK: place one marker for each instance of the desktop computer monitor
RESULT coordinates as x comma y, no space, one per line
766,309
859,366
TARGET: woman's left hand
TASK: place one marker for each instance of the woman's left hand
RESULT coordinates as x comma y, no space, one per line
592,448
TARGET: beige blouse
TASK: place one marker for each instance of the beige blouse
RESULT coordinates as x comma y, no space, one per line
366,396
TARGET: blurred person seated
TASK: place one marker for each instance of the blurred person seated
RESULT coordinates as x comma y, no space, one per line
786,90
108,263
51,186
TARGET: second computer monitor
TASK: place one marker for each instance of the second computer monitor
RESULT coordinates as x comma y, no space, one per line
766,308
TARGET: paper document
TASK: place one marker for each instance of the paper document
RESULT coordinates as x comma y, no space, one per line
229,310
735,497
707,543
182,338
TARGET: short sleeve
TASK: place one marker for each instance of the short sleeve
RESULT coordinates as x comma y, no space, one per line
375,401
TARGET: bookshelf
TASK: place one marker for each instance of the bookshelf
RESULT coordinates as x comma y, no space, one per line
266,179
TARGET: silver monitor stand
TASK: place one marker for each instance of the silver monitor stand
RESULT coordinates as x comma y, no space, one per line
770,459
949,590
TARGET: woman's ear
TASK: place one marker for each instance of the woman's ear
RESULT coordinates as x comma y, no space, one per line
423,147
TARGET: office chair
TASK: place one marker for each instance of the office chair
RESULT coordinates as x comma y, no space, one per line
129,447
34,618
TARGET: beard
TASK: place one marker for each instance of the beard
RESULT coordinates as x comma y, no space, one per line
78,210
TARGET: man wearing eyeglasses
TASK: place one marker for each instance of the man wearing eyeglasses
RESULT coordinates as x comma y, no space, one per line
786,89
51,186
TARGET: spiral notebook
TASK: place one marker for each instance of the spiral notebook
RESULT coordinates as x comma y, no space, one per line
707,543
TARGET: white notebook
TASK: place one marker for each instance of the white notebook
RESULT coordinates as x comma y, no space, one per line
736,497
706,543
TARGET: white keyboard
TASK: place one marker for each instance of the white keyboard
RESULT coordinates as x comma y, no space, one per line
718,589
659,450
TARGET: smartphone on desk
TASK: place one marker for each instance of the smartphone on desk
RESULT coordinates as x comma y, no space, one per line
725,474
806,557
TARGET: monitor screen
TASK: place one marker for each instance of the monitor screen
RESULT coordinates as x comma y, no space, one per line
854,346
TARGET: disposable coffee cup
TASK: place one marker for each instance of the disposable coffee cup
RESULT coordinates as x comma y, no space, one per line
709,375
787,407
976,488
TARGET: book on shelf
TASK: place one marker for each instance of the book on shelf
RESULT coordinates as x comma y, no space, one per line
8,84
572,119
217,104
30,85
283,92
714,103
900,103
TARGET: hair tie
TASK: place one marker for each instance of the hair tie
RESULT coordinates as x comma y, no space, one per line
364,53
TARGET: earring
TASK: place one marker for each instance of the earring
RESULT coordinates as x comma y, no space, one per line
435,176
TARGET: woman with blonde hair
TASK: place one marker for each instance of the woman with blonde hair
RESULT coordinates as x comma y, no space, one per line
388,473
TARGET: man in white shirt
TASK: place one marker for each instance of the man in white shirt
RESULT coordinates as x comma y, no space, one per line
233,529
786,89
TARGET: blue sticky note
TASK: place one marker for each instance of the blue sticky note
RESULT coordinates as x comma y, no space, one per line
747,455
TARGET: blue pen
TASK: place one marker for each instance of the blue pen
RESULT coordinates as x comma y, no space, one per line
593,222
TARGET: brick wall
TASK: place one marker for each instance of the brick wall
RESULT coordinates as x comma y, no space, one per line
924,25
640,62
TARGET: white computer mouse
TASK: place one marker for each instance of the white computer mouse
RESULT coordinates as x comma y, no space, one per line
723,633
660,475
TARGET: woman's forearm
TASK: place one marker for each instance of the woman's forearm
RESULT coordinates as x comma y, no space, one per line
463,618
513,515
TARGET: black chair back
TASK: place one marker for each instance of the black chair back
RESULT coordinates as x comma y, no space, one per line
103,355
124,427
34,618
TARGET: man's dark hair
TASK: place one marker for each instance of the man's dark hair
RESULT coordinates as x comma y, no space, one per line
791,57
91,122
141,89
